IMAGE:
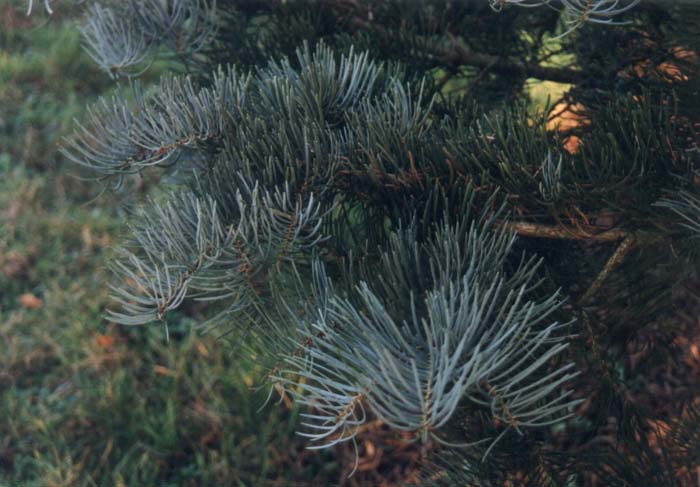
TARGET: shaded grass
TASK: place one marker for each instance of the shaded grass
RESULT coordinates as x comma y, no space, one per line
84,402
45,81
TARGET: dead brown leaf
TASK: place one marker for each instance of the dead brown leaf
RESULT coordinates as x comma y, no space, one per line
162,370
30,301
86,235
104,341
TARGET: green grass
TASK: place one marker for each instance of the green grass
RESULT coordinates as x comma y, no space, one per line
84,402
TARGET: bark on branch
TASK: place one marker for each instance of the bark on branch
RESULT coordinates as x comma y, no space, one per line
457,54
460,54
545,231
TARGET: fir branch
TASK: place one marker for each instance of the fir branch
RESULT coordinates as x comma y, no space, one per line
119,141
121,36
184,249
614,261
536,230
475,328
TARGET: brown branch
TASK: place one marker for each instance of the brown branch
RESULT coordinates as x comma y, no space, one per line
615,259
629,241
461,54
457,54
512,420
545,231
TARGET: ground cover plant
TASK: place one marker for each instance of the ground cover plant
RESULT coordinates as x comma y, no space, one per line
454,282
